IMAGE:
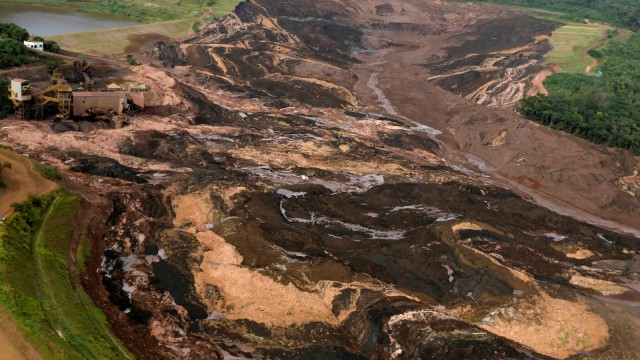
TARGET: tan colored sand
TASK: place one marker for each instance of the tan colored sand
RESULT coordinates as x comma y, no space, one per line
259,298
193,208
500,139
313,155
552,327
580,254
219,251
604,287
466,225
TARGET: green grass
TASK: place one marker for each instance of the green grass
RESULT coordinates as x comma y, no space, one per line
115,41
47,172
569,44
224,7
539,13
35,289
83,254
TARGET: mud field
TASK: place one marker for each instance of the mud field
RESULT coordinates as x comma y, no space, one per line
309,182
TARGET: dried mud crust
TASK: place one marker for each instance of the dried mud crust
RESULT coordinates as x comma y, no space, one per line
248,214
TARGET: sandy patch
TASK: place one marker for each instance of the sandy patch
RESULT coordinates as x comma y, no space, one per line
605,288
553,327
466,226
259,298
580,254
192,209
312,155
500,139
219,251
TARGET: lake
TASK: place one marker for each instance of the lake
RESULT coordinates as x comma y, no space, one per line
48,20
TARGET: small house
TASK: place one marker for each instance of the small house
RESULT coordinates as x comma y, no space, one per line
38,45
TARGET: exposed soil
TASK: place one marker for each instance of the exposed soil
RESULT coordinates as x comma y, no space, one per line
537,83
13,344
21,180
299,187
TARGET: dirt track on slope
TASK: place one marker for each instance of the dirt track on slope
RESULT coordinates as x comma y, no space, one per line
22,180
13,344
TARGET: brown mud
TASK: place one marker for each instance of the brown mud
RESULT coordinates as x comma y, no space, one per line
301,188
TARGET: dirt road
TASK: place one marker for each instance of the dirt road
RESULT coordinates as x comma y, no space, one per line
22,180
13,346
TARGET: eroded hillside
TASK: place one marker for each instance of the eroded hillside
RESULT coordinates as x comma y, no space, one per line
301,188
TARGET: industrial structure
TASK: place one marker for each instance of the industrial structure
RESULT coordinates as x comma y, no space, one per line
113,105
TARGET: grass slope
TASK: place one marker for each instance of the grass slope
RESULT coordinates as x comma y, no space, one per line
115,41
571,43
35,288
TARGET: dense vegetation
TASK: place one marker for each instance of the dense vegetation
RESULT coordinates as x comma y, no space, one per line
35,287
13,53
13,32
12,50
604,110
623,13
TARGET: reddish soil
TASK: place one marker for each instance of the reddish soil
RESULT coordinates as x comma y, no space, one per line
537,83
22,180
299,188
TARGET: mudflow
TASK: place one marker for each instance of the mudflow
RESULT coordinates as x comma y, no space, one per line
314,180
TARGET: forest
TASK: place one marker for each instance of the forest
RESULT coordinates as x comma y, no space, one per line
602,109
621,13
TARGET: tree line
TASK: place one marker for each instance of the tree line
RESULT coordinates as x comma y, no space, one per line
602,109
622,13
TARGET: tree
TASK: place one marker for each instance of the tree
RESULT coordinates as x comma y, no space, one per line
14,32
132,60
6,165
51,46
12,53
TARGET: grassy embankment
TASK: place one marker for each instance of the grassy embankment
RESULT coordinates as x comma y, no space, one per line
164,18
571,44
116,41
58,318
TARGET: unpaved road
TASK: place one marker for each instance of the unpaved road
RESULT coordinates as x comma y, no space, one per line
22,180
13,346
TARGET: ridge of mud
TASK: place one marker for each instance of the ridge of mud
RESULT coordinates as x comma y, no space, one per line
289,206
